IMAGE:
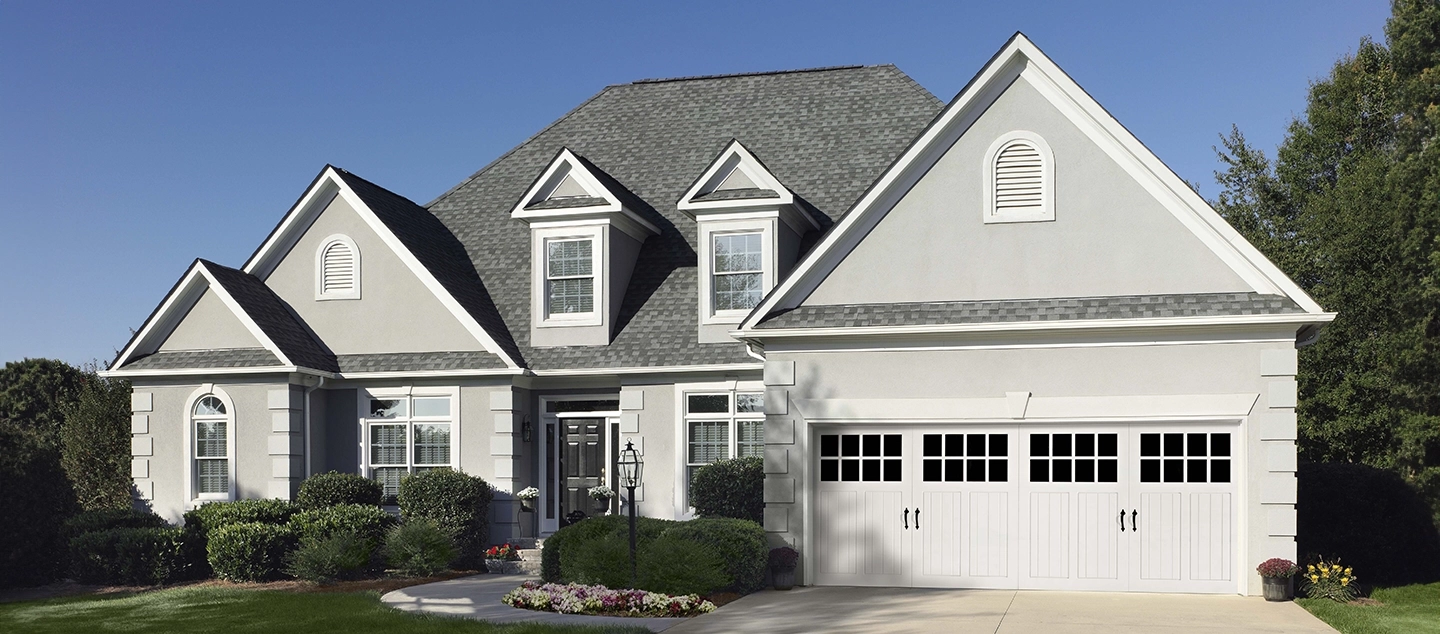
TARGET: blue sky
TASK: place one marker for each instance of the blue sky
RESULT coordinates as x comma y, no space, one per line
137,136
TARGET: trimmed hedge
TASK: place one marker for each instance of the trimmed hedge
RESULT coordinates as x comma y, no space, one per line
214,515
129,556
365,522
104,520
701,556
419,548
250,551
1369,518
730,488
458,503
341,556
335,488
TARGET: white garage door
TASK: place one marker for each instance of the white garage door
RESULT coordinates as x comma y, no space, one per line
1135,507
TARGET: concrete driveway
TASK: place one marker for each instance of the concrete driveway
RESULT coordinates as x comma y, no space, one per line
999,611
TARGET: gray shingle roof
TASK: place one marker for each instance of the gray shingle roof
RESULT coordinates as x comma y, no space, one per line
1031,310
418,361
747,193
197,359
568,202
826,134
269,312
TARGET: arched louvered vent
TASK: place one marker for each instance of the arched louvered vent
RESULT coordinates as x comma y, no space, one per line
1020,177
338,267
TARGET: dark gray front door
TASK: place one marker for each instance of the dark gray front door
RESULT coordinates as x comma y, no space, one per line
583,462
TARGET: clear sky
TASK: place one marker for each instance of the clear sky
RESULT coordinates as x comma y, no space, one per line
137,136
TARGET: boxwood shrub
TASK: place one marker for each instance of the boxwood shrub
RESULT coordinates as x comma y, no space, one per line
701,556
363,521
340,556
1369,518
213,515
564,560
730,488
675,565
104,520
419,548
130,556
250,551
458,503
335,488
740,544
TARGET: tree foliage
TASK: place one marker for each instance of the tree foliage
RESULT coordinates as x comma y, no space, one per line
34,393
1350,209
95,443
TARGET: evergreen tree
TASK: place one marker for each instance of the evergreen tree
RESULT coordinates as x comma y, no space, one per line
1350,208
95,444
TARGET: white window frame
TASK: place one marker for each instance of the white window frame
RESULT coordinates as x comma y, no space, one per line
192,489
1046,213
734,224
598,272
354,292
733,418
410,420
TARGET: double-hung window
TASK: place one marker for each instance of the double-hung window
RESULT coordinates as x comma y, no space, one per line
738,274
569,277
723,424
407,434
212,433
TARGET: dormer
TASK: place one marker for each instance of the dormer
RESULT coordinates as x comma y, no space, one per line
748,230
585,234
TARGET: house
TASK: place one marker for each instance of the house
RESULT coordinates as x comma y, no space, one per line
993,343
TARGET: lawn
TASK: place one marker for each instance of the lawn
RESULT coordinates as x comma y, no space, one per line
1407,609
220,609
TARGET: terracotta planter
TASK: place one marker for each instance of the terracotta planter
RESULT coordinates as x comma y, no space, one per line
1279,588
784,579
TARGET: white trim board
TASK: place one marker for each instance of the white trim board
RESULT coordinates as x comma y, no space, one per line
1021,60
1297,319
1042,408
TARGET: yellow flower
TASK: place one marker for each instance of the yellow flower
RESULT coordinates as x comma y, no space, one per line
1349,570
1314,578
1311,567
1325,573
1345,581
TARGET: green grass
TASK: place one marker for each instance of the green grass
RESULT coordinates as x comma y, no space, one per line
208,609
1407,609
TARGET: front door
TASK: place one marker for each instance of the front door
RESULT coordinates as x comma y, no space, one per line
581,463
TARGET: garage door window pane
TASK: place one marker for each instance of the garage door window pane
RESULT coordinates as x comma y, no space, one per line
850,445
1174,445
829,470
830,446
1150,444
1219,470
1109,471
870,445
1040,470
1175,470
850,470
1220,444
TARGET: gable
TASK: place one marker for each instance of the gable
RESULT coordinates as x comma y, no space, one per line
209,325
395,311
1109,236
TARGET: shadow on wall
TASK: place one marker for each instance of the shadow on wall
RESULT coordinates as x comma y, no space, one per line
1369,518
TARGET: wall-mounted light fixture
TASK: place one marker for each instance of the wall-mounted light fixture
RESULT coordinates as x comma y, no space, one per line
527,431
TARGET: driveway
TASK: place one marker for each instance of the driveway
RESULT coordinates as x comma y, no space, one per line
999,611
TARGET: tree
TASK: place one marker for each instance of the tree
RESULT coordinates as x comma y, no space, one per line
1350,208
95,443
34,392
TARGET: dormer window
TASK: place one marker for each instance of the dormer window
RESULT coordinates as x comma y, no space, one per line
1019,179
337,269
570,277
738,278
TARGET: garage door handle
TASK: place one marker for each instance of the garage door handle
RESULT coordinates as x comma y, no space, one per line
1122,520
907,519
917,518
1133,515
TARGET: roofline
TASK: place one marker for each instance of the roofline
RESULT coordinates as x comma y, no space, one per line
1218,321
816,69
400,374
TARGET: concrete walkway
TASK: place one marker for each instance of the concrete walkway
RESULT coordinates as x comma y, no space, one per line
999,611
478,597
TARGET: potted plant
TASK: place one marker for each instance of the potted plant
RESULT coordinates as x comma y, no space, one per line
602,495
782,566
527,497
498,558
1278,577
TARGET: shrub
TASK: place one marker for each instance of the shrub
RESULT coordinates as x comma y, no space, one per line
365,522
730,488
1370,518
107,519
130,556
570,554
339,556
335,488
419,548
673,564
1327,580
457,503
250,551
740,544
95,443
213,515
38,500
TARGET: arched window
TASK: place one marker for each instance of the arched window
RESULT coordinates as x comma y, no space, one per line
212,432
337,269
1019,179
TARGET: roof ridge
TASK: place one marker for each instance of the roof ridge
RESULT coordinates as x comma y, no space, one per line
817,69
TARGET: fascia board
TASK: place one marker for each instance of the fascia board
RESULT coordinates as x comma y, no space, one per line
1296,319
676,369
234,306
293,225
166,316
179,372
631,222
422,273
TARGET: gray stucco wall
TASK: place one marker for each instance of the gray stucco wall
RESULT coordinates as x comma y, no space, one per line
1109,236
342,431
1266,523
209,324
396,312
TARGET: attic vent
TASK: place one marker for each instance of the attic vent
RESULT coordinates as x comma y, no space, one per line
1020,180
337,269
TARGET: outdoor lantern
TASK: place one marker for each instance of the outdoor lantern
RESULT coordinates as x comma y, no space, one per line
527,431
631,466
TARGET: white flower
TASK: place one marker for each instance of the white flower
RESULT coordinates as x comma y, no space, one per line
528,493
601,492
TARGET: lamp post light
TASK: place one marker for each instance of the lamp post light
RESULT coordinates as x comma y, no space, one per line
631,466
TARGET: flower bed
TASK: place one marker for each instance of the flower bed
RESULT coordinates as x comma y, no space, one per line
578,598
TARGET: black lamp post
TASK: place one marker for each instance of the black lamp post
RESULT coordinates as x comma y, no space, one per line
631,466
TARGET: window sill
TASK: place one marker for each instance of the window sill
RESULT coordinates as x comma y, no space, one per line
580,319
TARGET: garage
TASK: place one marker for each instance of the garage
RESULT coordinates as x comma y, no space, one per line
1140,507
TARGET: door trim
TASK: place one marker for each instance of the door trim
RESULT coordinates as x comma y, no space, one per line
544,449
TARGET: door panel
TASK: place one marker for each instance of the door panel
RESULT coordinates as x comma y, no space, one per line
1158,527
1184,495
884,539
1049,535
962,483
1210,543
837,533
1097,534
989,534
582,463
862,509
1072,489
939,534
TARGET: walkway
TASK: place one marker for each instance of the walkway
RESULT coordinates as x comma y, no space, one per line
478,597
1000,611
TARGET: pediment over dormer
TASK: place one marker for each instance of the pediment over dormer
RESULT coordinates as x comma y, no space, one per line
737,182
573,189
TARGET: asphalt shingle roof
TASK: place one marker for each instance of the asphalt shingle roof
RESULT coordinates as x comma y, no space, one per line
269,312
218,358
827,134
418,361
1030,310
